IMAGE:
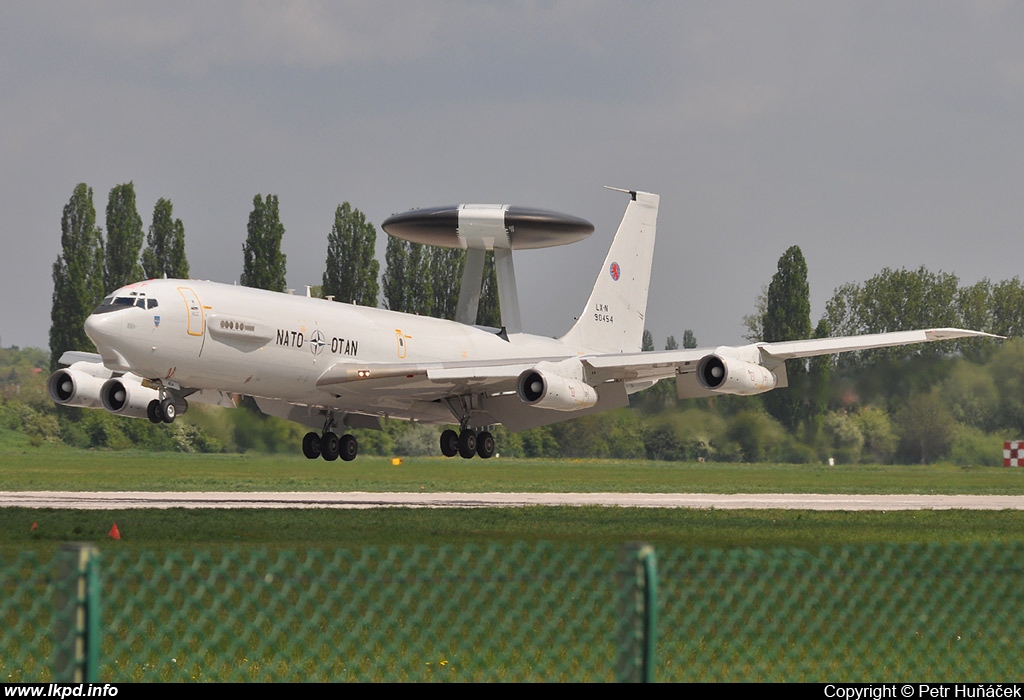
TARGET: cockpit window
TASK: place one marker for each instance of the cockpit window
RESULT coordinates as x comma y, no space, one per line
116,302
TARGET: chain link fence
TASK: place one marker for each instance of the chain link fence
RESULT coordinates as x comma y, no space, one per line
856,614
517,613
521,613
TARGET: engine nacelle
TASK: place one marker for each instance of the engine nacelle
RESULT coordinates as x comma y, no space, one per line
126,396
78,385
727,375
544,387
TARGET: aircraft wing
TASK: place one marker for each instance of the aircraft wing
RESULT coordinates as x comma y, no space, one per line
747,369
425,380
439,380
488,390
828,346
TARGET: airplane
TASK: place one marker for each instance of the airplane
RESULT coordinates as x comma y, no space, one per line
333,367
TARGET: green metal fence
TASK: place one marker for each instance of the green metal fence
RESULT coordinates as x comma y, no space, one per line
868,613
522,613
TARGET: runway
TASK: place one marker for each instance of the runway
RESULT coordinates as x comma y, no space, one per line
119,500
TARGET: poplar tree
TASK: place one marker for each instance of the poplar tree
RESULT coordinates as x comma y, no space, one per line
489,312
408,283
646,341
263,262
819,376
787,316
352,268
164,255
77,275
427,280
124,239
396,275
419,285
445,280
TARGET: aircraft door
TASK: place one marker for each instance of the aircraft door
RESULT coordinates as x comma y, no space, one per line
195,323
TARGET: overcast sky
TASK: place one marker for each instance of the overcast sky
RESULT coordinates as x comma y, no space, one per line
871,134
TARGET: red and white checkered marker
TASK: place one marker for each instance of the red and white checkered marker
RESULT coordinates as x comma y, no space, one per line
1013,454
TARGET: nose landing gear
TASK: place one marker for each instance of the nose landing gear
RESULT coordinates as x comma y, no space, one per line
162,410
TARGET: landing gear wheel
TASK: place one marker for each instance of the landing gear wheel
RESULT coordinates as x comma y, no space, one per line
449,443
153,412
330,446
485,445
467,444
168,410
348,447
311,445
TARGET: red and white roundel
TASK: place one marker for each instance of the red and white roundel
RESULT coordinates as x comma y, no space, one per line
615,271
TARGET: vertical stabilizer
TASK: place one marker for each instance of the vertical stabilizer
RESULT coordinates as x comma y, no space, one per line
613,320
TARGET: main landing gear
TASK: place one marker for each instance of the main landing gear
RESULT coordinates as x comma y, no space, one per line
328,445
467,443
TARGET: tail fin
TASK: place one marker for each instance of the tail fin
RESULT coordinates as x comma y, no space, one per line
613,320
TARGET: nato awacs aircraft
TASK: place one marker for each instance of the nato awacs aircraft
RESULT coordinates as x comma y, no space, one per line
334,366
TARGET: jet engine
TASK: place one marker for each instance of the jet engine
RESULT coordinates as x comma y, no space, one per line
728,375
546,386
78,385
126,396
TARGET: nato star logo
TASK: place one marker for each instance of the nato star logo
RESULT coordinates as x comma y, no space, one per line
316,342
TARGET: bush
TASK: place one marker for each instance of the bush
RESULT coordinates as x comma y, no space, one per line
758,435
843,437
689,436
539,442
879,439
418,440
190,438
973,448
795,452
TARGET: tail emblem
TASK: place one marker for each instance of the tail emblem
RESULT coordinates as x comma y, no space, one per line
615,271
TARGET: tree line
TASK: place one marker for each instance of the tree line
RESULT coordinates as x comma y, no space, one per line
418,279
913,404
91,264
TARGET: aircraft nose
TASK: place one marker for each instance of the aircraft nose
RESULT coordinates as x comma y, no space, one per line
102,328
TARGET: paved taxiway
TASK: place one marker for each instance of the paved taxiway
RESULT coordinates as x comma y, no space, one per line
108,500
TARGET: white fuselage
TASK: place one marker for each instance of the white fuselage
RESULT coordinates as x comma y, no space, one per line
208,335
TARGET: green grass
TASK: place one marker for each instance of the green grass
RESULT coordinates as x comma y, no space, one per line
48,468
728,651
589,525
